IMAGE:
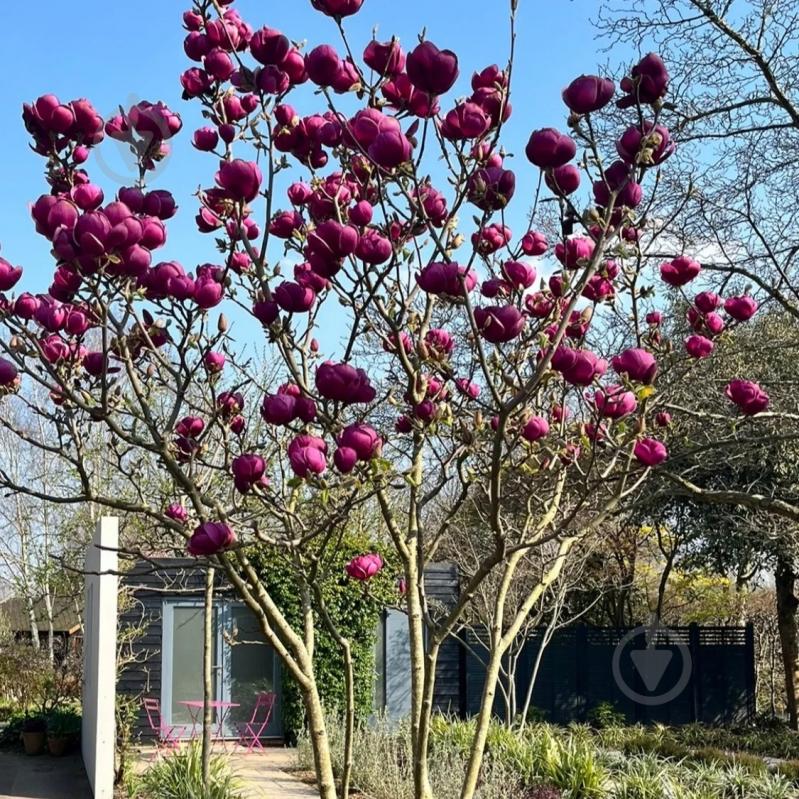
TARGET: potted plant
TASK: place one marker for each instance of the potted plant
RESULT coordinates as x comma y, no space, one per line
62,728
33,732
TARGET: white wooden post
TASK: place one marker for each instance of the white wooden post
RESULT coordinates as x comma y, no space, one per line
99,658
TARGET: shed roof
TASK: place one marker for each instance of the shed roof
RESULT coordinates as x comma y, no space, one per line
65,617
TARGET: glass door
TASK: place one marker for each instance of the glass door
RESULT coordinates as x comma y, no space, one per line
244,665
182,662
250,668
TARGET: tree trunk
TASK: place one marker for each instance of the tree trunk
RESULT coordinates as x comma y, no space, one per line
30,608
421,683
208,683
319,741
787,603
349,731
483,723
48,607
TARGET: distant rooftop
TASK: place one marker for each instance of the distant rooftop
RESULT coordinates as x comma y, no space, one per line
65,617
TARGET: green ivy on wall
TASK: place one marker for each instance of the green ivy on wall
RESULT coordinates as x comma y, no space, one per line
356,611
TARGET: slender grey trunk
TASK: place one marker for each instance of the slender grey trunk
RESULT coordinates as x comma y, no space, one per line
208,684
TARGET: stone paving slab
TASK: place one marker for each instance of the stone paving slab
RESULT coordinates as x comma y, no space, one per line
266,778
42,777
265,774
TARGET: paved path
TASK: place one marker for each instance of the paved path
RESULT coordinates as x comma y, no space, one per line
42,777
266,778
265,774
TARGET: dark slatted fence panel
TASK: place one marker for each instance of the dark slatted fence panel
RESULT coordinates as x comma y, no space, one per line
576,674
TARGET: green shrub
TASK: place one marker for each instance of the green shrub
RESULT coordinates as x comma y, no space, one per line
11,729
179,776
356,614
63,723
605,715
644,778
790,770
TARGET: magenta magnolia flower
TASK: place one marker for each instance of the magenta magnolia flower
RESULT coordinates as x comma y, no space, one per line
440,341
323,65
707,301
307,455
534,243
210,538
491,188
680,271
26,306
190,427
432,70
177,512
650,451
328,244
575,252
294,298
269,46
345,459
266,311
364,567
207,293
740,308
96,363
248,471
337,8
373,248
448,279
240,179
467,388
150,120
748,396
662,418
214,362
519,274
8,373
647,83
645,145
588,93
549,148
384,58
9,275
499,323
578,367
637,364
539,304
563,180
614,402
343,383
466,121
390,148
361,439
699,346
535,428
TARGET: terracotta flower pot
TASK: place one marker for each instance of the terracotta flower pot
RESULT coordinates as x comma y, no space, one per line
33,742
57,744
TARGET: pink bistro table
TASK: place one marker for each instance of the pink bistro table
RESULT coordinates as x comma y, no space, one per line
195,708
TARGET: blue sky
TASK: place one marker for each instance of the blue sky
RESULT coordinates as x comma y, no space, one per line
117,53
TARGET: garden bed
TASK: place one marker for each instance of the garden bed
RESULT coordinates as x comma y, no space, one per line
578,762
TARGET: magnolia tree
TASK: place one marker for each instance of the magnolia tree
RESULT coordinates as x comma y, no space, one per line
464,385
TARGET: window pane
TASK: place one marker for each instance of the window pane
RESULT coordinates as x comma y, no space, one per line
252,667
187,661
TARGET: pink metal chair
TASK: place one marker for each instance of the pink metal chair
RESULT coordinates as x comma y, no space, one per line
165,735
250,732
